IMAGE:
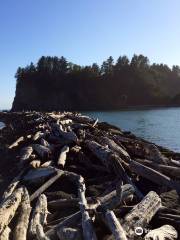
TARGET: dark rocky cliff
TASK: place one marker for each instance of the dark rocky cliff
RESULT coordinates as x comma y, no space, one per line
55,84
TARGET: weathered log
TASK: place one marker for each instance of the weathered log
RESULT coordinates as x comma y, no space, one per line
88,231
40,233
115,226
106,156
20,231
167,232
38,175
113,199
70,221
8,208
47,164
80,118
13,185
5,234
142,149
42,151
175,162
142,213
168,170
153,175
25,154
58,130
38,135
35,163
115,147
46,185
64,203
62,156
109,201
95,123
64,122
39,215
16,143
68,233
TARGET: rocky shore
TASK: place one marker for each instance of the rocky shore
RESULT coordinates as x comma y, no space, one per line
68,176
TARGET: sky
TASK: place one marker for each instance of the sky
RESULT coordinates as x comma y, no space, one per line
84,31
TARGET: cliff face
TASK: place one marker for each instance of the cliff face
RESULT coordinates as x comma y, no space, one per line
55,84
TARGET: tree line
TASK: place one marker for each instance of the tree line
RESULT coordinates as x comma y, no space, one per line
57,84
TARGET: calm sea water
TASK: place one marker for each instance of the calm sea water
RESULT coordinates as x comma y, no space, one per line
1,125
161,126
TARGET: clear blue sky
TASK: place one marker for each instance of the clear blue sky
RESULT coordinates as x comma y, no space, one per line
84,31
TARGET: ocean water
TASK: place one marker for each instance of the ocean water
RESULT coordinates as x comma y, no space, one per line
1,125
161,126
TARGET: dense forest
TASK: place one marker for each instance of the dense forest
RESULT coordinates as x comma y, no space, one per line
56,84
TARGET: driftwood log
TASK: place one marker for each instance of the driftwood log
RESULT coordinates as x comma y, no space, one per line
39,217
8,208
20,231
165,232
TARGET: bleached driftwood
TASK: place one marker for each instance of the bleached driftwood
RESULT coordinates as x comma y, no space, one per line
46,185
20,231
175,162
46,164
8,208
16,143
65,121
153,175
38,135
142,213
35,163
40,233
5,234
115,226
166,232
80,118
39,215
88,231
42,151
95,123
62,156
68,233
12,185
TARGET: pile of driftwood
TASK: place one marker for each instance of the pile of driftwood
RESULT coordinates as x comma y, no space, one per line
83,179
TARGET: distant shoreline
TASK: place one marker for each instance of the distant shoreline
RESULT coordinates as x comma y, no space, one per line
133,108
125,108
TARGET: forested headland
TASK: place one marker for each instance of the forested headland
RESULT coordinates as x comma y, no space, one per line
57,84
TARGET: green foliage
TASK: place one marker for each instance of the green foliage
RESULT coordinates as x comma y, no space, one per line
56,84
